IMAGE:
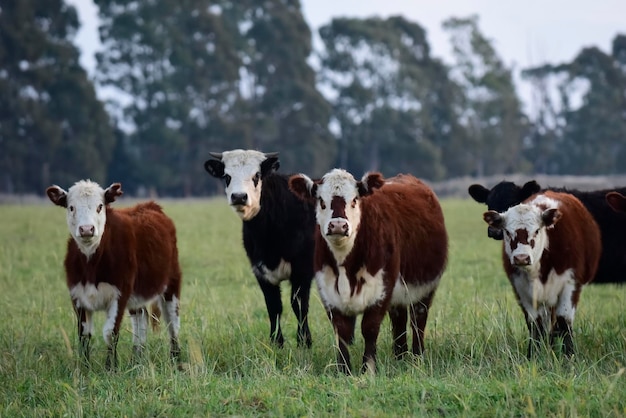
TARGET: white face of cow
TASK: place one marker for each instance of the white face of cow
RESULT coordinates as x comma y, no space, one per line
338,206
85,204
524,227
243,172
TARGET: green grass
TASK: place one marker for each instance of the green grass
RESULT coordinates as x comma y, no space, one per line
474,363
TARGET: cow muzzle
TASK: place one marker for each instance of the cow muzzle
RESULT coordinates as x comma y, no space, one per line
338,226
86,231
521,260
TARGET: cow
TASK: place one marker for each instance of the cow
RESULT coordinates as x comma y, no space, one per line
616,201
119,259
277,232
612,262
551,249
379,247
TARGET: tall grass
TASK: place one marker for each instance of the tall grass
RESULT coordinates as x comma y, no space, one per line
474,364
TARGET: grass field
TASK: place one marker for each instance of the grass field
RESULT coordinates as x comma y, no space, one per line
474,364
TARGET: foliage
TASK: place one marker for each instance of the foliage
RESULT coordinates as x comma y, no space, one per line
583,129
474,363
52,126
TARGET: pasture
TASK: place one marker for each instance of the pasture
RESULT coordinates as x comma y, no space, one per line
474,364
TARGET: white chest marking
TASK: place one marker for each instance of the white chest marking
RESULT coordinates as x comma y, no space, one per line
537,297
280,273
94,298
336,292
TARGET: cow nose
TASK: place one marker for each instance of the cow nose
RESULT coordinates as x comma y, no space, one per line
86,230
238,198
338,227
522,260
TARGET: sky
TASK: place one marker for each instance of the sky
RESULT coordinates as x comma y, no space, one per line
525,34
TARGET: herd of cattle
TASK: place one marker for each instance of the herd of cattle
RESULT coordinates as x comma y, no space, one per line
374,246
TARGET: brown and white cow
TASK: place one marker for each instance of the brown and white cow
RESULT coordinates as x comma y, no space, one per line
616,201
119,259
379,248
551,249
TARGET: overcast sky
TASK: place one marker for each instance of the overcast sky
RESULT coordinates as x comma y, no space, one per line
524,34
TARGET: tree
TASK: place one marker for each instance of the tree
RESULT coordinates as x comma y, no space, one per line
52,126
587,133
393,103
492,115
281,106
176,61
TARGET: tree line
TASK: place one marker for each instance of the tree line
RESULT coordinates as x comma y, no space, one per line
186,77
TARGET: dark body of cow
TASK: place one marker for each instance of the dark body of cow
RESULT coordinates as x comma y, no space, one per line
551,249
612,266
277,232
119,259
380,247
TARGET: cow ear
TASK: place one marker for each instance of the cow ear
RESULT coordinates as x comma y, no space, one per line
369,183
269,165
616,201
529,189
57,195
214,168
112,192
494,219
551,216
303,187
478,192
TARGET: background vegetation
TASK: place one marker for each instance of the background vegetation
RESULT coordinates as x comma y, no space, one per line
474,363
185,77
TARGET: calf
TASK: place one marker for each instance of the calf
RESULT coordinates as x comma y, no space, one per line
378,248
119,259
277,231
551,249
612,261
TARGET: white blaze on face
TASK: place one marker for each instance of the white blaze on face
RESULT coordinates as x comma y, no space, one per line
242,172
338,211
86,215
525,234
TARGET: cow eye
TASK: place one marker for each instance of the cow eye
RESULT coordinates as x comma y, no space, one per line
99,208
354,203
322,204
71,208
256,178
227,179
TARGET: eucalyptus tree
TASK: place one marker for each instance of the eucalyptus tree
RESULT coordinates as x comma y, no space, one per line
492,112
393,104
175,69
52,126
281,107
587,108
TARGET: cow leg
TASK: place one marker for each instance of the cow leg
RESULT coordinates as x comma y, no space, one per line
139,323
536,322
398,316
170,309
111,330
370,328
419,317
562,332
85,331
274,306
344,331
300,304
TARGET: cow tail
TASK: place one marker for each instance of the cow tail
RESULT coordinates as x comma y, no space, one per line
155,316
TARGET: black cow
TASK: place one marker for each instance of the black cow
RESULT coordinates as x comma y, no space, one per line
612,267
278,231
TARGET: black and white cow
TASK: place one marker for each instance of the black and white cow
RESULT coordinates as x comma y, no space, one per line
277,231
612,266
